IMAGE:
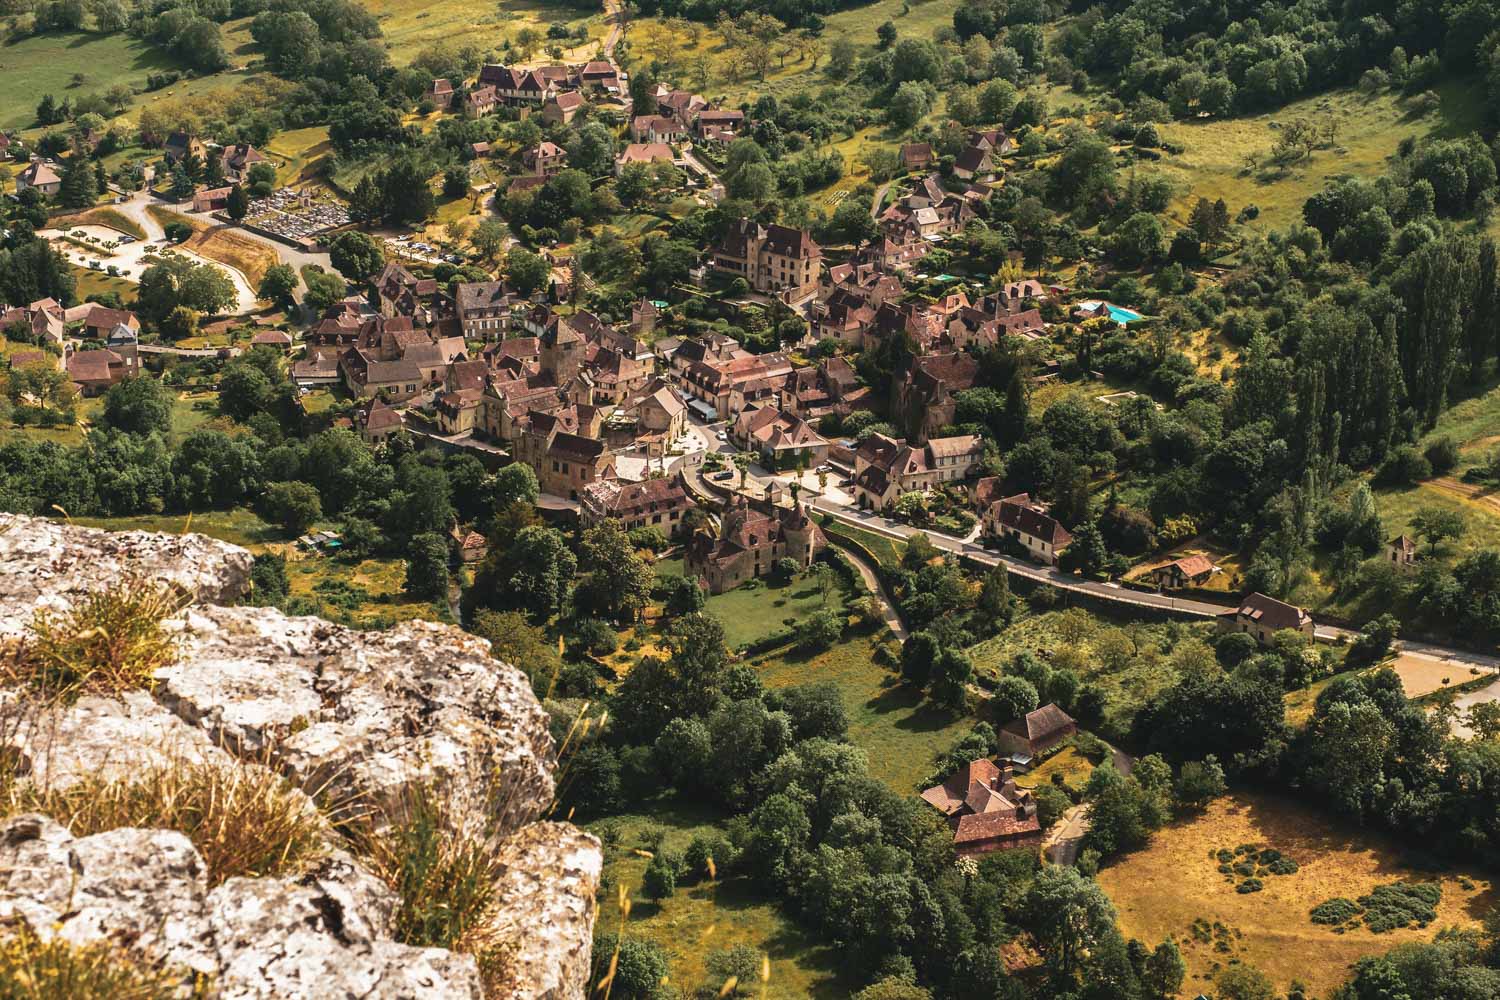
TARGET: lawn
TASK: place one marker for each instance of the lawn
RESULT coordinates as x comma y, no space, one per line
753,613
239,526
364,594
884,548
708,914
224,244
1368,131
896,726
1163,889
91,282
1073,767
1473,424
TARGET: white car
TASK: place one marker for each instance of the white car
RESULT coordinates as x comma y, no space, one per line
723,436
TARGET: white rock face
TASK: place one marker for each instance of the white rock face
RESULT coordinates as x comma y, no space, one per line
349,716
48,564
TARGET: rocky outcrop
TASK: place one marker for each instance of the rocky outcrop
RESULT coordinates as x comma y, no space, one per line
254,937
353,718
49,565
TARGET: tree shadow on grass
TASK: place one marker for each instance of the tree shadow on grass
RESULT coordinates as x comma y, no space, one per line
921,715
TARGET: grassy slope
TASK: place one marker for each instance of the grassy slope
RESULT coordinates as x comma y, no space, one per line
895,726
1369,129
752,614
46,64
1164,888
411,27
708,915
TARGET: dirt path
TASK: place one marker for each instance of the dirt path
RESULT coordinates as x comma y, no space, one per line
872,580
1482,494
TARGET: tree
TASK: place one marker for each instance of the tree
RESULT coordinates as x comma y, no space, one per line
324,288
237,204
295,506
1139,240
427,567
885,35
1198,783
1068,915
918,654
1437,525
533,574
618,581
516,483
516,641
79,186
456,181
355,255
951,674
244,390
527,272
1012,698
634,966
279,285
489,237
138,406
910,104
659,880
1243,982
1165,970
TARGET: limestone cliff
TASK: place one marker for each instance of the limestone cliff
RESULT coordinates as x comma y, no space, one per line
355,717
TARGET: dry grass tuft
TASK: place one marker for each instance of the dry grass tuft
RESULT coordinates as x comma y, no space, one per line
33,969
447,878
245,821
111,642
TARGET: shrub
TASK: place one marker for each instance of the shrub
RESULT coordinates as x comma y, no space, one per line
1336,911
1401,904
111,642
1249,885
1442,455
660,878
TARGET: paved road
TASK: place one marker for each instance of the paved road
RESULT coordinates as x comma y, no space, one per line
1120,595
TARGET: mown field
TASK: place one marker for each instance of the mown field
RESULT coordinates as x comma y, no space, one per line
46,64
1165,888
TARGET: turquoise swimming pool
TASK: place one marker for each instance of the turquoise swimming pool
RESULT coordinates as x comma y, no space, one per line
1122,315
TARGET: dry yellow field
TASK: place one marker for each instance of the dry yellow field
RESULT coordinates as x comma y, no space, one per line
1162,890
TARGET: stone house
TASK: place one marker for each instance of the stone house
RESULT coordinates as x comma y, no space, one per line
770,258
985,809
1262,617
1026,523
752,538
653,503
1038,731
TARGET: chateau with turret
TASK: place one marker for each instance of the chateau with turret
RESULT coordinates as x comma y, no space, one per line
753,537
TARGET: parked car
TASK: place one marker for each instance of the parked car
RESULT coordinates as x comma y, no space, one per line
720,477
723,436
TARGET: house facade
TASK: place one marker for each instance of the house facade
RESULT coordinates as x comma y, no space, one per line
770,258
1021,520
1262,617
